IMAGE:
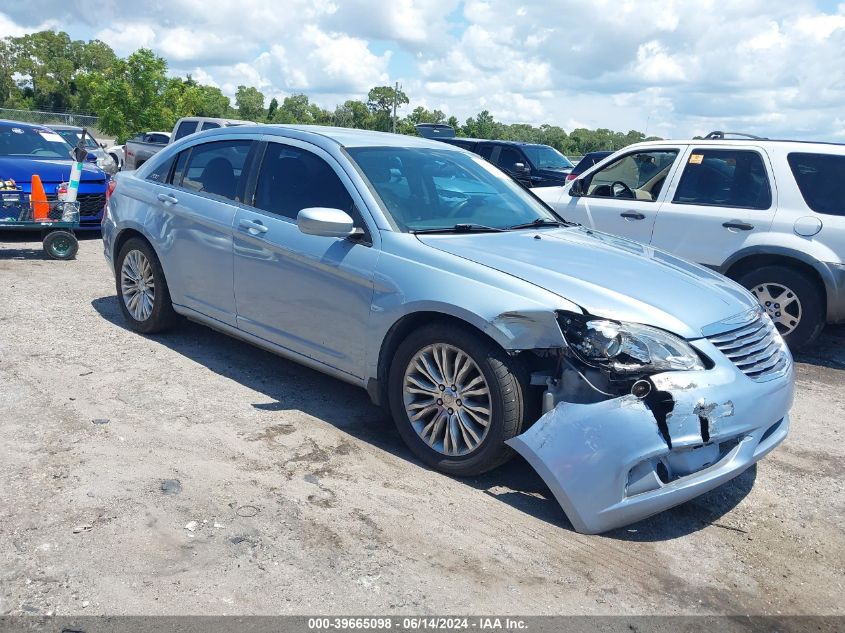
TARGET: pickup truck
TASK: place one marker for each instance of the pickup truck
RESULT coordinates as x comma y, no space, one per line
140,148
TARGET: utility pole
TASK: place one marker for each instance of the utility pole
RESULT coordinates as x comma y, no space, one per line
395,97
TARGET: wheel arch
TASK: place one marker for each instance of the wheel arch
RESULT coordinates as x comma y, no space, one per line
399,331
127,233
742,263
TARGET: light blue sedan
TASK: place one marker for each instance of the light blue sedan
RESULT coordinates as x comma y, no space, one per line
631,380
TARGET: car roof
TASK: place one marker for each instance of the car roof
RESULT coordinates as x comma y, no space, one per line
760,142
487,140
338,136
62,126
39,126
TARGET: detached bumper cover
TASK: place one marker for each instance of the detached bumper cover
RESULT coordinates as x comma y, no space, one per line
610,463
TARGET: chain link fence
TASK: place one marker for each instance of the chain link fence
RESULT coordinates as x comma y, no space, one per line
42,117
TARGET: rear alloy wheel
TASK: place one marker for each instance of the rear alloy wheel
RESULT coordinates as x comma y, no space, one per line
141,288
792,300
456,397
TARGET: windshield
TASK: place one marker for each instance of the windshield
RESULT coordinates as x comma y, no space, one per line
424,189
545,157
32,142
72,137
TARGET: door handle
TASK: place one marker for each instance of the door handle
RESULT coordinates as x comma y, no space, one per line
633,215
255,227
738,225
166,198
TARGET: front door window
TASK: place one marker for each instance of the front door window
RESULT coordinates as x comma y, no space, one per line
637,176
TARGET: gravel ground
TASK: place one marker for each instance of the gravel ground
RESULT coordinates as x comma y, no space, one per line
192,473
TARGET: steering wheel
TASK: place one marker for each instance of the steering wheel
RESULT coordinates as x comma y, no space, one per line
623,189
458,208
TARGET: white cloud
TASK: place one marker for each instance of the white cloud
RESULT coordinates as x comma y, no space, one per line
767,66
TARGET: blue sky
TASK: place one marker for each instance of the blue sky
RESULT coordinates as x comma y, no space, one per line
680,67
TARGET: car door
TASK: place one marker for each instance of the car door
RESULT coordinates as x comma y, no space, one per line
195,209
307,293
722,197
624,196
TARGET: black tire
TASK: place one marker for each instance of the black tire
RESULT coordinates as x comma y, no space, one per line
60,245
162,315
507,387
808,292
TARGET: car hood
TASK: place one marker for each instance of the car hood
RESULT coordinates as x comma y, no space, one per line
51,170
606,275
557,174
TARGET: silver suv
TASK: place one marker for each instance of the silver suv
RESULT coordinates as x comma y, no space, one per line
769,214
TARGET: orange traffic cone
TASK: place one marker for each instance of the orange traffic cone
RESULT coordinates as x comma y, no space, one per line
38,200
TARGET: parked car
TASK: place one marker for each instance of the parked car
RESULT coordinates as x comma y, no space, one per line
140,150
72,134
588,160
769,214
27,149
454,296
117,154
140,147
531,164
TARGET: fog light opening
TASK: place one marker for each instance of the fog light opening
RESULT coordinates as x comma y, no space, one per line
641,389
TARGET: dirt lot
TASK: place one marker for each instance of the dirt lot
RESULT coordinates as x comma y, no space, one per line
302,498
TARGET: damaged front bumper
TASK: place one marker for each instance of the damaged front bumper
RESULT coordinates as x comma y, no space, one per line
617,461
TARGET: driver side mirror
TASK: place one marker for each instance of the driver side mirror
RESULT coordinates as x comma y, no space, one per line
90,158
577,189
326,222
521,168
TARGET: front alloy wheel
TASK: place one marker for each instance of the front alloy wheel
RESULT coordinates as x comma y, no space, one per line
447,399
456,397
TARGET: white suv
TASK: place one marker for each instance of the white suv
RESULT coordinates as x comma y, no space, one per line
769,214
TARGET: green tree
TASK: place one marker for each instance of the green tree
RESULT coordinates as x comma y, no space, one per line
250,103
354,114
48,65
380,102
129,97
297,109
482,126
271,109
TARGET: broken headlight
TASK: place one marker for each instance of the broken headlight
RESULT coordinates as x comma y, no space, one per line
627,348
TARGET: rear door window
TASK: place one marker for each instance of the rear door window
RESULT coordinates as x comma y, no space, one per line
185,128
218,168
820,178
725,178
209,125
292,179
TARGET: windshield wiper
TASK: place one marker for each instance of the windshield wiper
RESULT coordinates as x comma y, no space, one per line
461,228
538,222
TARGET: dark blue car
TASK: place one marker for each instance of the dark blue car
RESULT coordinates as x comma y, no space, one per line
27,149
